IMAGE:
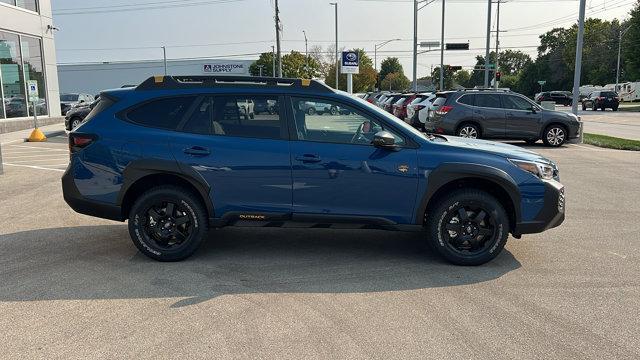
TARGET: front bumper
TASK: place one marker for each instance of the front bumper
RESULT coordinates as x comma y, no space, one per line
551,215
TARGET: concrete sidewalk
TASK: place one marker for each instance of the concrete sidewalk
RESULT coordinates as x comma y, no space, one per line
20,136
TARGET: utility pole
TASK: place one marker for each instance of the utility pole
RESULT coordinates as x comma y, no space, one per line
619,48
306,54
415,45
486,56
578,69
442,51
273,59
497,42
164,56
337,55
278,40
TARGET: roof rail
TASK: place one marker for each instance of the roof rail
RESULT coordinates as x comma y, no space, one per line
485,89
161,82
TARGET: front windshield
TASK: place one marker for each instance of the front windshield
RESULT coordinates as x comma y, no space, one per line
396,122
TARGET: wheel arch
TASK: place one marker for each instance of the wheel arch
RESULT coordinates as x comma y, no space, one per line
452,176
142,175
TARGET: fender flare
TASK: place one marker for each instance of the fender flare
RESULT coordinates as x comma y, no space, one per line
449,172
141,168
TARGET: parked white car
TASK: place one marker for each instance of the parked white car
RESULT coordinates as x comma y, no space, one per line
418,110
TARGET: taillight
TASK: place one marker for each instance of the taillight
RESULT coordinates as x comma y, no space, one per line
79,141
444,110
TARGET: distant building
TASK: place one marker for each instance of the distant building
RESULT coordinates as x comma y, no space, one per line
93,77
27,53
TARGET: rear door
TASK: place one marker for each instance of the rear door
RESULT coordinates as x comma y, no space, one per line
243,155
488,112
523,119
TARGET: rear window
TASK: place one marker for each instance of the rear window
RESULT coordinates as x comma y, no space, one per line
165,113
440,100
608,94
102,103
469,99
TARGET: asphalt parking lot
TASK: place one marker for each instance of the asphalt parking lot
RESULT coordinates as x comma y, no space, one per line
73,286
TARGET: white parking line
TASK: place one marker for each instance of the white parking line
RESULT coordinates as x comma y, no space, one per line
37,160
29,156
35,167
40,148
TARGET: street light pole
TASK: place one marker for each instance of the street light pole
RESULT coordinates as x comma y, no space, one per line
442,51
578,67
306,53
619,49
486,56
273,59
497,41
278,39
415,45
337,56
164,56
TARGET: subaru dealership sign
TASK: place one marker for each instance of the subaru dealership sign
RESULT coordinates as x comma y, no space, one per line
350,62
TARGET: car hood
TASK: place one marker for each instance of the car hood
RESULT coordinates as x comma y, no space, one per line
496,148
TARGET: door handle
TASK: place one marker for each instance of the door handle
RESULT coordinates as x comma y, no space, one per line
309,158
197,151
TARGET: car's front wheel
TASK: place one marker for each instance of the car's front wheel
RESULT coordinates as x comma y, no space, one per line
468,227
167,223
555,135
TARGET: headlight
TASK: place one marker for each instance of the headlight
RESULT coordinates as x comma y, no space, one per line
543,171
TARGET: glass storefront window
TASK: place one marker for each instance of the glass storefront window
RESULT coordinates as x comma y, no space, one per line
11,76
26,4
33,70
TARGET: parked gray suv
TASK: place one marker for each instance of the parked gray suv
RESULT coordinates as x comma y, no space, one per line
499,114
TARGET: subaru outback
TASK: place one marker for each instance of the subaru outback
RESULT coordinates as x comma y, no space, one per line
499,114
176,156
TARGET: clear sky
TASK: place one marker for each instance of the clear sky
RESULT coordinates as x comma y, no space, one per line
119,30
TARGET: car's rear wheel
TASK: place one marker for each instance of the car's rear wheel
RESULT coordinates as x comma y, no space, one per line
311,111
469,131
75,122
333,111
167,223
468,227
554,135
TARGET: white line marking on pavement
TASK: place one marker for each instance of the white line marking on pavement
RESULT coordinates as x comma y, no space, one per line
29,156
40,147
592,149
34,167
616,254
36,160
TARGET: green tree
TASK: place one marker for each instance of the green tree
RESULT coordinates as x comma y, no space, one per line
395,81
462,78
630,63
294,65
390,65
362,82
266,61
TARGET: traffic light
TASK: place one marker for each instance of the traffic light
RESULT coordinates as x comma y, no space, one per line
498,74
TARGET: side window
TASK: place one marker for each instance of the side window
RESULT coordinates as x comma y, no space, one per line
516,103
467,99
165,113
201,119
249,116
488,100
333,122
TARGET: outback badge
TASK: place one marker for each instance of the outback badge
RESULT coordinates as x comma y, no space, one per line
403,168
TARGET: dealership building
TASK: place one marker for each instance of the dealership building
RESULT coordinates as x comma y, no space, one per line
27,55
91,78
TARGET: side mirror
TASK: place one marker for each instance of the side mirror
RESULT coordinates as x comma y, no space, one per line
384,139
533,109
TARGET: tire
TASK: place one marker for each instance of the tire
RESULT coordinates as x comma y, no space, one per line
479,239
603,108
167,243
468,131
584,107
614,108
333,111
74,122
311,111
555,135
594,108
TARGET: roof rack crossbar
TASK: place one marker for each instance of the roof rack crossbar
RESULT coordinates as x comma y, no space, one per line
202,81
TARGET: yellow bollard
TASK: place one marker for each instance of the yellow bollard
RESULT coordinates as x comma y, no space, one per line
37,136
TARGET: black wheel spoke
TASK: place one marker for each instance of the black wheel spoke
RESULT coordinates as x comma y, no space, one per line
462,213
453,227
182,220
154,214
480,216
180,236
169,209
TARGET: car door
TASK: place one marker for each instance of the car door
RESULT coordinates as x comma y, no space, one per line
337,172
524,119
243,156
488,112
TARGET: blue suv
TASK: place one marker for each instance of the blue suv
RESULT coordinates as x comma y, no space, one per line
176,156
